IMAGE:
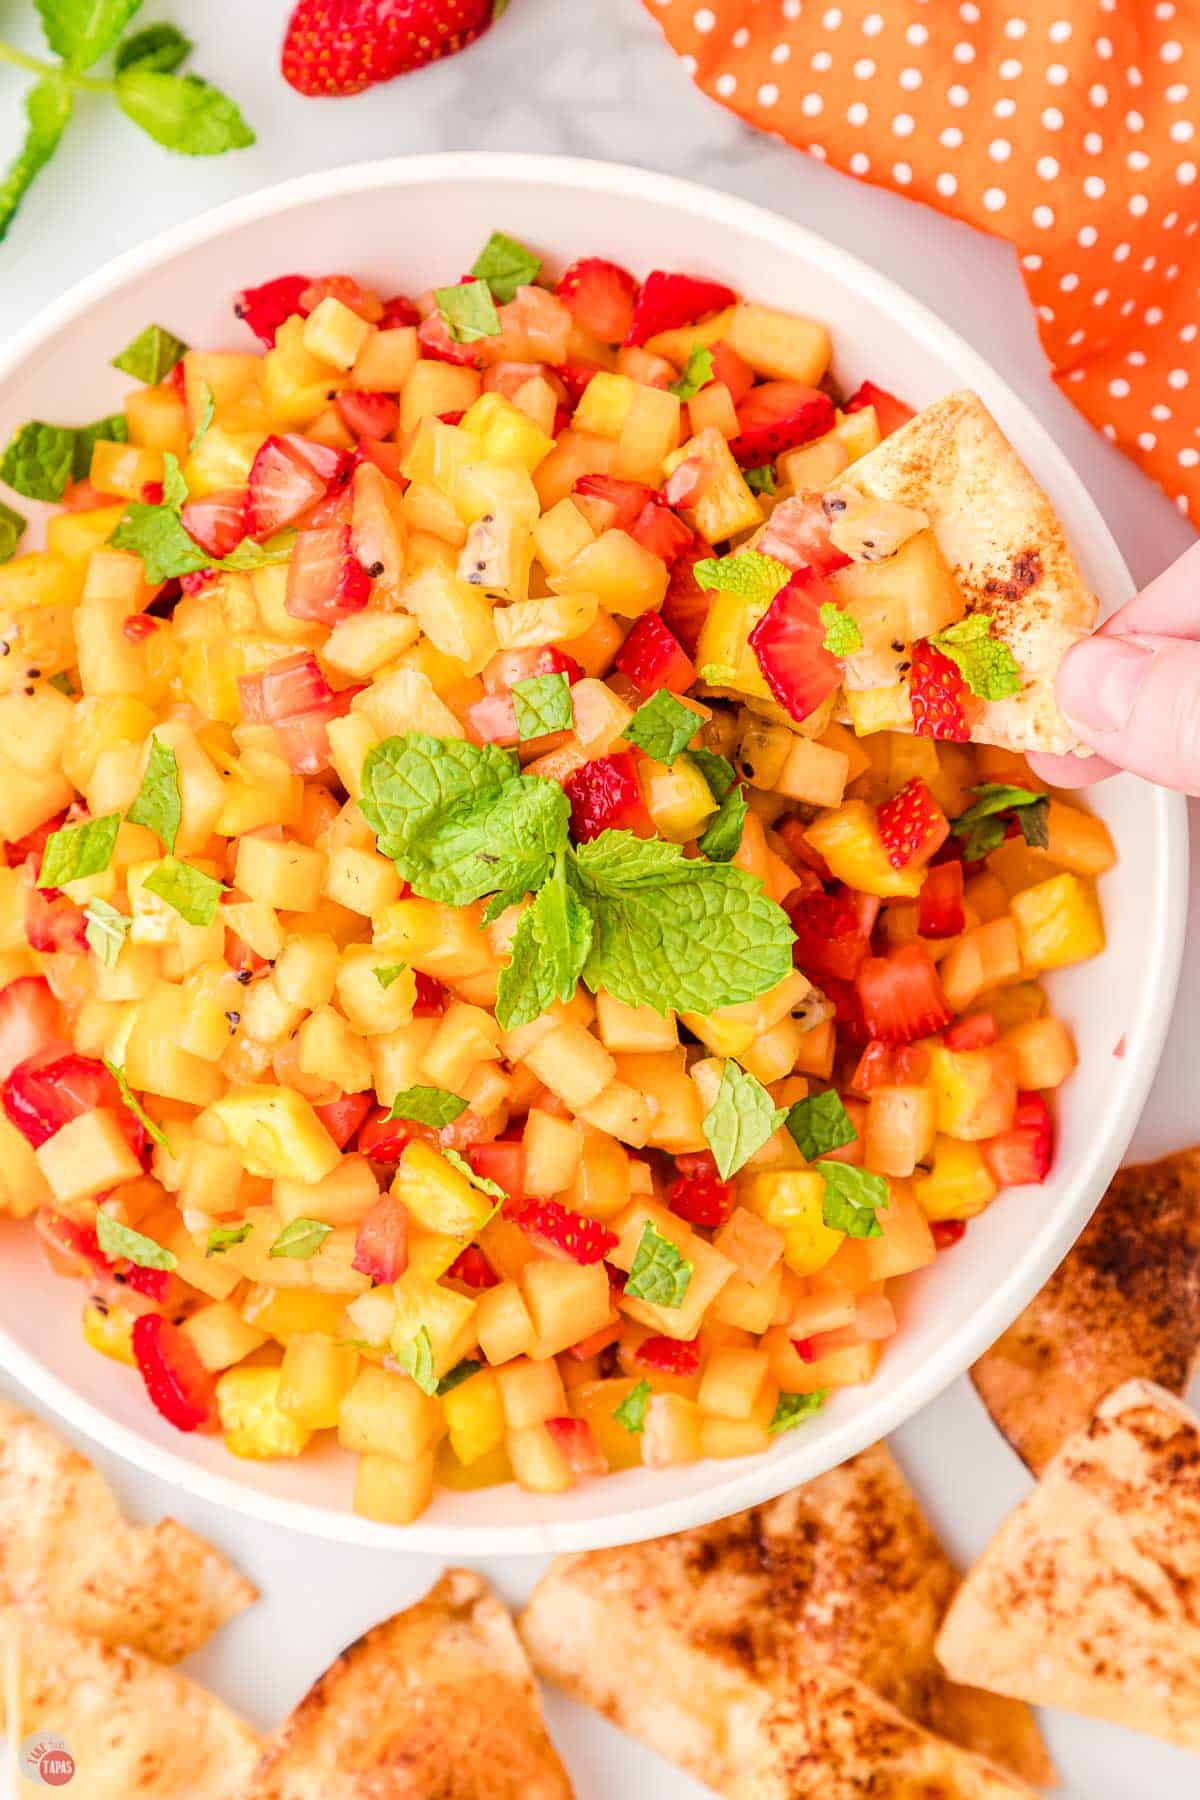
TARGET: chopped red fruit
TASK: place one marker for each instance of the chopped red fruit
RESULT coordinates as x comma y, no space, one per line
667,300
805,1349
652,658
342,48
686,604
584,1240
326,581
196,580
71,1248
947,1232
873,1069
670,1356
473,1269
502,1162
52,922
902,996
847,1010
605,795
343,1116
777,416
789,642
388,458
383,1139
182,1389
937,692
431,997
493,718
641,511
363,301
574,1440
154,1284
1024,1152
30,1020
596,1342
84,496
890,412
282,486
575,377
217,522
152,493
398,310
33,844
283,689
433,335
940,909
241,958
49,1089
732,370
829,942
381,1244
912,825
974,1032
138,627
797,535
910,1063
599,296
264,308
368,415
699,1195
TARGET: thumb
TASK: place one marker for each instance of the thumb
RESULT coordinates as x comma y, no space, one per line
1136,701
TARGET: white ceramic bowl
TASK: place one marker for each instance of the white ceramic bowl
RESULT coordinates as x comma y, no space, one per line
405,225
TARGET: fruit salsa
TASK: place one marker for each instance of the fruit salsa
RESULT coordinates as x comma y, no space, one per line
462,987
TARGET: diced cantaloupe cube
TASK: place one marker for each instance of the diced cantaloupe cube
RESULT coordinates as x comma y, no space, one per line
86,1156
566,1301
393,1492
732,1382
537,1462
1045,1050
280,874
530,1392
388,1413
552,1148
672,1431
502,1323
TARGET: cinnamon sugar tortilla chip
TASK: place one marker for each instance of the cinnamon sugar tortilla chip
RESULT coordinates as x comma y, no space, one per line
1125,1303
1088,1597
733,1641
436,1701
1001,536
65,1548
136,1730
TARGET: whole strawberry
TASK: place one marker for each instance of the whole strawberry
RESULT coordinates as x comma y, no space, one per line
339,47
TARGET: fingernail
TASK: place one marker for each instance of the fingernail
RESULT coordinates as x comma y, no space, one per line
1100,680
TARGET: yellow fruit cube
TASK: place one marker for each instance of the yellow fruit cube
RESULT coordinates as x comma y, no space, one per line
1058,922
334,334
475,1417
910,595
725,505
626,578
109,1329
86,1156
566,1302
792,1201
502,1323
393,1492
975,1091
446,1316
280,874
331,1051
277,1134
252,1421
779,344
959,1184
710,1270
678,798
437,1196
505,434
849,841
732,1382
316,1375
388,1413
530,1392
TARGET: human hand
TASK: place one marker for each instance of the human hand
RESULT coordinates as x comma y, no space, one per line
1133,690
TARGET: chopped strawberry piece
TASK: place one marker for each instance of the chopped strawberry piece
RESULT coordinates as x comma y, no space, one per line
398,310
575,377
940,909
652,658
152,493
660,531
574,1439
777,416
937,692
686,604
670,1356
890,412
1024,1152
283,485
241,958
33,844
605,795
433,335
383,1139
599,296
847,1010
50,1088
217,522
284,689
138,627
154,1284
732,370
902,996
829,942
501,1162
910,1063
947,1232
343,1116
698,1194
326,581
805,1349
473,1269
52,922
452,418
584,1240
667,300
368,415
797,535
789,643
431,997
388,458
179,1385
264,308
196,580
84,496
641,511
685,484
363,301
31,1019
974,1032
493,720
381,1244
912,825
71,1248
873,1069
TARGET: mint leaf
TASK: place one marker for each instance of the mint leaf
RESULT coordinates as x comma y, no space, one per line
80,31
416,1358
151,355
1035,823
986,663
790,1409
549,949
156,535
663,727
194,895
761,480
469,311
106,930
301,1239
842,635
697,373
718,771
12,529
428,1106
983,830
40,460
820,1123
748,573
851,1199
505,265
543,704
483,1182
659,1275
393,972
48,106
117,1240
249,555
631,1414
112,430
158,805
722,836
205,419
78,850
224,1237
455,1377
672,932
181,112
131,1101
161,47
740,1120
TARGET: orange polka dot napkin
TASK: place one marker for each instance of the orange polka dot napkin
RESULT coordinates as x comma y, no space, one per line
1070,127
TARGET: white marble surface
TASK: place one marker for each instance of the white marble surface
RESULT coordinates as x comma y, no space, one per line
588,78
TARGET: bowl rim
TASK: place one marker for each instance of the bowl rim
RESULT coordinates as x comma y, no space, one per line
745,1482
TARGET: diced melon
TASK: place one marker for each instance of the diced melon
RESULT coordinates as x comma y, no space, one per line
724,505
252,1420
277,1134
779,344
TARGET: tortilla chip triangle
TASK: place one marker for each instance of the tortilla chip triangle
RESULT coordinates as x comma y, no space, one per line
66,1549
136,1730
1126,1302
1088,1597
1002,539
797,1637
438,1699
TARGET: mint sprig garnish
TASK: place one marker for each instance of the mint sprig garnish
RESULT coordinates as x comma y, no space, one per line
194,895
428,1106
301,1239
984,827
748,573
984,661
416,1359
157,535
631,1414
663,727
151,355
130,1100
180,112
852,1198
762,479
722,838
741,1119
158,805
117,1240
469,311
820,1123
106,930
659,1275
549,950
790,1409
697,373
542,704
12,530
506,265
75,851
842,634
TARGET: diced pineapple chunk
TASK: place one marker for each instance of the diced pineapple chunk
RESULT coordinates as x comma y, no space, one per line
252,1420
724,505
388,1413
849,841
1058,922
393,1492
277,1134
475,1417
779,344
87,1155
437,1195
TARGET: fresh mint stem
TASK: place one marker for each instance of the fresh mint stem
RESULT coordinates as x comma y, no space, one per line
38,66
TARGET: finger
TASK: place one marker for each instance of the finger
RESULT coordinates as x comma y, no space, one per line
1071,771
1169,607
1137,703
